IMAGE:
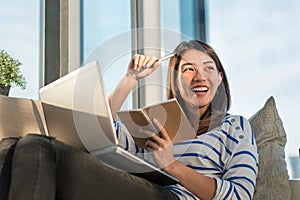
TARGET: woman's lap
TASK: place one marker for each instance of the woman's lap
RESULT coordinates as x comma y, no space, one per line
44,168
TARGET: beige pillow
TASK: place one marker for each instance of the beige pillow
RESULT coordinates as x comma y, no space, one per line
272,179
20,116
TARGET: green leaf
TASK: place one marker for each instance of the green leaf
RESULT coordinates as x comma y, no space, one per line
10,73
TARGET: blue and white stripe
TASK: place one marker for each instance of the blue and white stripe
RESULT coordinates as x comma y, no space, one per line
227,153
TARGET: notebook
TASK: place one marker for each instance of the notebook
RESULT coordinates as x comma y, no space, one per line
77,112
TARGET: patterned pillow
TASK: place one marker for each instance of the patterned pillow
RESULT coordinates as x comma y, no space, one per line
272,179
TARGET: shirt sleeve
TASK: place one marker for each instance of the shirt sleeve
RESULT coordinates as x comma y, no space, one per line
125,140
240,171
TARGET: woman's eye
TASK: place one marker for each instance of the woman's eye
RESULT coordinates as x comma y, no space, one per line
188,68
210,68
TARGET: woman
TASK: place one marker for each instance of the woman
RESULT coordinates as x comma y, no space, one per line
221,162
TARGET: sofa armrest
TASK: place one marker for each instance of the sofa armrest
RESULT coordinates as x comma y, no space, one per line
295,189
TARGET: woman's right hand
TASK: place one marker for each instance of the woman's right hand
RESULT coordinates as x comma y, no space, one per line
141,66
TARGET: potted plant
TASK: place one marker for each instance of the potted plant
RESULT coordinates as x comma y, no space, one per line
10,74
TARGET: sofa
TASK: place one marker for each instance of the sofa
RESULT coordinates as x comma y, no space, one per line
20,116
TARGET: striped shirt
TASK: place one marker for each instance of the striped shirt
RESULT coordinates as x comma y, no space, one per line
227,153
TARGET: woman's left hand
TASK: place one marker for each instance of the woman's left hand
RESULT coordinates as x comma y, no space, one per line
161,146
162,151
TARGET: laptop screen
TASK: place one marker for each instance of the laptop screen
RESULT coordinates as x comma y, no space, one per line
76,105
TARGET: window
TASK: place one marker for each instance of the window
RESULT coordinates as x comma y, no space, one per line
20,38
181,20
259,46
105,26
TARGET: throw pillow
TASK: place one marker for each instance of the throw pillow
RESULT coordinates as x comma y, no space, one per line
272,179
20,116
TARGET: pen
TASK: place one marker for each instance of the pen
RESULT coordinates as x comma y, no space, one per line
166,57
163,58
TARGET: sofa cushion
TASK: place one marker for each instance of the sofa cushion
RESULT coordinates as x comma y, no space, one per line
272,179
20,116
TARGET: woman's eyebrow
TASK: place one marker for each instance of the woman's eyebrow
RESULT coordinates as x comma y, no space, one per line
187,63
194,64
208,62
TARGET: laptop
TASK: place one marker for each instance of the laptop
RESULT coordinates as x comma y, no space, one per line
77,113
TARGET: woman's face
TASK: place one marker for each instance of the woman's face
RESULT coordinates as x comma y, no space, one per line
198,78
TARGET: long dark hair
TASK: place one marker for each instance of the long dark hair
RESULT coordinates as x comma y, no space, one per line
222,99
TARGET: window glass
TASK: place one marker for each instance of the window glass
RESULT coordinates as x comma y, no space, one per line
177,25
258,42
102,20
179,16
19,37
105,27
170,16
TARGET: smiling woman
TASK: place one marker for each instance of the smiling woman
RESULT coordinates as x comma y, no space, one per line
221,162
207,72
203,79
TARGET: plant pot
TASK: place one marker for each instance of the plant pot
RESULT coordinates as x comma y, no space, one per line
4,89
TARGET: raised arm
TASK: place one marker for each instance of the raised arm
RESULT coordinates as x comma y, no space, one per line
139,67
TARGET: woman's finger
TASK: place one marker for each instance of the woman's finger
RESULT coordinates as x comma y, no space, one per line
154,137
140,62
146,60
151,61
152,145
163,131
134,61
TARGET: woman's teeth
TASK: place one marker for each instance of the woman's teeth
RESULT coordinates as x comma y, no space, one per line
200,89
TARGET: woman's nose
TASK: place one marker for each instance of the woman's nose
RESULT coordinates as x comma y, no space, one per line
199,75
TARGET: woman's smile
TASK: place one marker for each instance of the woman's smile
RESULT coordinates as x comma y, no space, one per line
199,73
200,90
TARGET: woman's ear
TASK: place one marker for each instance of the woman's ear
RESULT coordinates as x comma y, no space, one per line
220,78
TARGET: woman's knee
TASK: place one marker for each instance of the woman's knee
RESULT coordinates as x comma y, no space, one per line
35,149
34,140
33,168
